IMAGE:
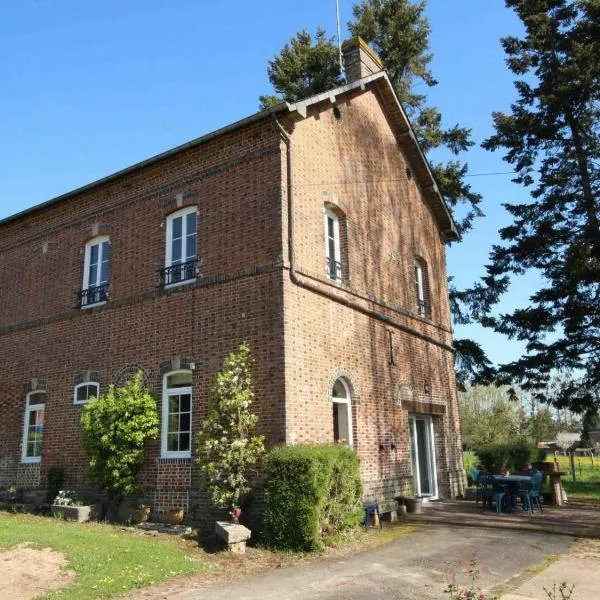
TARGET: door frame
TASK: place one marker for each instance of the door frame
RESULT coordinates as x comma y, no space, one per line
431,462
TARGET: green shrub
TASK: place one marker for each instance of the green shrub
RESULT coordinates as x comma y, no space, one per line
310,492
226,447
519,454
116,428
56,477
499,457
492,458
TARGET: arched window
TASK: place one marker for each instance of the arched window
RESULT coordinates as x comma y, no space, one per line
33,430
181,258
342,412
95,272
84,392
421,287
177,415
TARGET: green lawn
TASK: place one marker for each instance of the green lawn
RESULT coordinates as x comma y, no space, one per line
587,486
106,560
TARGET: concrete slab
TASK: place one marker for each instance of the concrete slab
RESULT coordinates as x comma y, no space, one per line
584,573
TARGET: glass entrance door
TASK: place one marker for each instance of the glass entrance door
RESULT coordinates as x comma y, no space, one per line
422,455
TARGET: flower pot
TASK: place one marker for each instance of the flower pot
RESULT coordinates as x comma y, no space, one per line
414,505
175,516
140,514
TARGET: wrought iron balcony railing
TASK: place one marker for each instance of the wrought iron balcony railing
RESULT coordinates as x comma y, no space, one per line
178,273
333,269
95,294
422,308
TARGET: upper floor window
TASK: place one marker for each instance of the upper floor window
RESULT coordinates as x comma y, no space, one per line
84,392
95,273
421,287
180,256
333,258
342,412
33,429
177,415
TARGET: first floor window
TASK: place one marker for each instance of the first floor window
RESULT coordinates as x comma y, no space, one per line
177,415
333,264
181,252
421,287
95,272
342,413
33,433
84,392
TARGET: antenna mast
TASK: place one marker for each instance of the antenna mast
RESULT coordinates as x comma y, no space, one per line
339,39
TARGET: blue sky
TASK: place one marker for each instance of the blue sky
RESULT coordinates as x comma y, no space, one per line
92,87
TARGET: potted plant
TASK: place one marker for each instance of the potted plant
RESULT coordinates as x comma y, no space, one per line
175,516
69,506
140,513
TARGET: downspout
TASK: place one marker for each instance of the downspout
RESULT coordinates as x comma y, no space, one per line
298,280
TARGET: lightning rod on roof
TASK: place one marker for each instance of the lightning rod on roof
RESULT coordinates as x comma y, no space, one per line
339,39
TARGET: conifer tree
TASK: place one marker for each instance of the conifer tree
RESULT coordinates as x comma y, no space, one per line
304,67
551,137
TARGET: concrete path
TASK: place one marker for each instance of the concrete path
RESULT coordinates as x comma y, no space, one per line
419,566
583,574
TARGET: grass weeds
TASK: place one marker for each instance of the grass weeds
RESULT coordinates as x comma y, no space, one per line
106,559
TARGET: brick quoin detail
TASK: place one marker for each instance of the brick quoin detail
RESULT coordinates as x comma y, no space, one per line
260,198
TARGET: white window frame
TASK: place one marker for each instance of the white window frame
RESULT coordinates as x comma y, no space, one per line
85,384
169,241
429,455
337,256
167,393
420,288
30,408
348,402
97,241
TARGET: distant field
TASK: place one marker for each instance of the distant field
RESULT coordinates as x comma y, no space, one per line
587,484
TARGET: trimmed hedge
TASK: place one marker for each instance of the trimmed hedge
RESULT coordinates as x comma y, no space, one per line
498,457
310,492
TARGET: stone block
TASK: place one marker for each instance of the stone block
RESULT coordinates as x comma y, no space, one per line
81,514
232,533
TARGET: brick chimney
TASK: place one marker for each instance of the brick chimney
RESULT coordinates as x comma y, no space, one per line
359,59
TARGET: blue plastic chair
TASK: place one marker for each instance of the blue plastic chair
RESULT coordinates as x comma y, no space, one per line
474,475
491,490
531,492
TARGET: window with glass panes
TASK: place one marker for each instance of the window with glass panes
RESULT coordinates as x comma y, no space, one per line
95,272
333,265
177,415
84,392
180,264
33,434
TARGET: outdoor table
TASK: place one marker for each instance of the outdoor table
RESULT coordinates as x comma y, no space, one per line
512,483
557,493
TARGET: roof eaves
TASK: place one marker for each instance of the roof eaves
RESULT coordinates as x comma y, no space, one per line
381,78
149,161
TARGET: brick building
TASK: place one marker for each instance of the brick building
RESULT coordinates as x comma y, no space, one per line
314,231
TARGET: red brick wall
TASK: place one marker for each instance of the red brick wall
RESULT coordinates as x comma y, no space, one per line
234,182
301,340
355,163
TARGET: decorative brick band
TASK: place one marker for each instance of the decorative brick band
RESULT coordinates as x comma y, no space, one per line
424,407
403,393
87,377
175,363
35,385
342,373
128,371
